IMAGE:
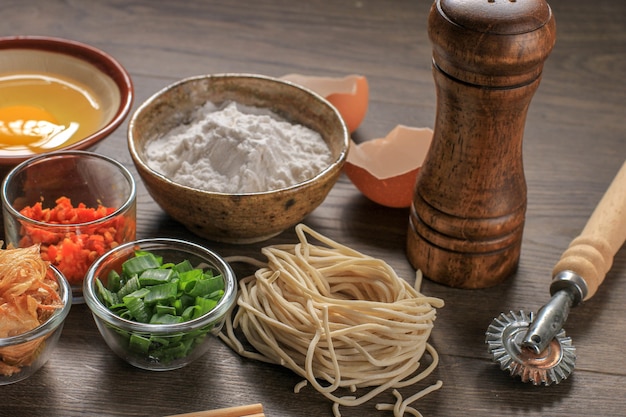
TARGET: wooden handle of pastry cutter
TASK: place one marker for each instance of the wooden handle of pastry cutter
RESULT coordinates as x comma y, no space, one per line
590,255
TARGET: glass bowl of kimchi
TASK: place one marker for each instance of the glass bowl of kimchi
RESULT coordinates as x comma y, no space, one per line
75,204
35,299
159,303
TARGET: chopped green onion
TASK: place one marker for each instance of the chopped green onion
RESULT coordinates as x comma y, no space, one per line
131,285
139,293
155,276
184,266
190,312
148,290
165,319
204,305
114,281
108,297
161,309
137,309
139,343
162,293
138,264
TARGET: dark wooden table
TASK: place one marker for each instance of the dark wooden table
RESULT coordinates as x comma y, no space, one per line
575,141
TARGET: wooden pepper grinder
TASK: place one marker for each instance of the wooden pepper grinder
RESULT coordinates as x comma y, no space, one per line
468,211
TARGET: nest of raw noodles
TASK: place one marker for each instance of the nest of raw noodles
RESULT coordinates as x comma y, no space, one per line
338,318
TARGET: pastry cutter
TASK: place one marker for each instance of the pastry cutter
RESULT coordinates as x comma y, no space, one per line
535,347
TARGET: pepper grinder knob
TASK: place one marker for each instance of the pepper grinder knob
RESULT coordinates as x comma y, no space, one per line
469,206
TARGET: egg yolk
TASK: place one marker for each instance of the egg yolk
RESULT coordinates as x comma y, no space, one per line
40,112
27,125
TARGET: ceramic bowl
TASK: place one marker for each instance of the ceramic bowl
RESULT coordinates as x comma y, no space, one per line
34,347
92,74
239,217
159,347
33,213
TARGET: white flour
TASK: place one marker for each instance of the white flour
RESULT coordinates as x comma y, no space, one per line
238,149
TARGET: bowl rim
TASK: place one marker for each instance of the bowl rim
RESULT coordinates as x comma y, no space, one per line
94,56
216,261
335,164
54,321
48,157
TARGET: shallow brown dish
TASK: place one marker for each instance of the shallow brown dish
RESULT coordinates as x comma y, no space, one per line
246,217
85,64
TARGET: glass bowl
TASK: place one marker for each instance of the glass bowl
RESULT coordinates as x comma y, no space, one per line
36,345
36,209
158,347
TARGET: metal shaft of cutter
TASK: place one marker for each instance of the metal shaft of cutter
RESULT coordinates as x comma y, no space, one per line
568,289
548,321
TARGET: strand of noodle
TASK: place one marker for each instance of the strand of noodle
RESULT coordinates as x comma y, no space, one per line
301,229
393,357
278,302
402,406
269,348
354,401
335,382
418,280
384,316
230,338
264,335
300,385
426,372
297,271
245,259
381,381
261,321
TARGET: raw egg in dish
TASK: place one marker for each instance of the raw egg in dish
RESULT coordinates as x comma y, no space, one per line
349,94
41,112
385,169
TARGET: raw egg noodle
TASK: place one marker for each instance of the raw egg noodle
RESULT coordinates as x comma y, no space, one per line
330,313
40,112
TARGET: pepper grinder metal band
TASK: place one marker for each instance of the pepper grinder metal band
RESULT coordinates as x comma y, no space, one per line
467,216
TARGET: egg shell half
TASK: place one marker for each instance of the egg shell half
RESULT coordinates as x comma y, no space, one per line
385,169
349,94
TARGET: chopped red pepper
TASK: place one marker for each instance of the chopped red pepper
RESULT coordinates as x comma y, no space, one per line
74,250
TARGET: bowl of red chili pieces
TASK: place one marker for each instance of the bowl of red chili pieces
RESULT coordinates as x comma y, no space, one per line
76,205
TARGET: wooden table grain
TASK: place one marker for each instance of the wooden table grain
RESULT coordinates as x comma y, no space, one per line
574,143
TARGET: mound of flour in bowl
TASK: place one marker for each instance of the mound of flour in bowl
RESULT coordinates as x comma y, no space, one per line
238,149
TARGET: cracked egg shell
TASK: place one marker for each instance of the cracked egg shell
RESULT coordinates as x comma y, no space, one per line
385,169
349,94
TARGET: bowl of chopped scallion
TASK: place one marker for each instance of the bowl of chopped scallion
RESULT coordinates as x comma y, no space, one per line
158,303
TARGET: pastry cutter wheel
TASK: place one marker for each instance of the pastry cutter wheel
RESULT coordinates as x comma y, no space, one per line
535,347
